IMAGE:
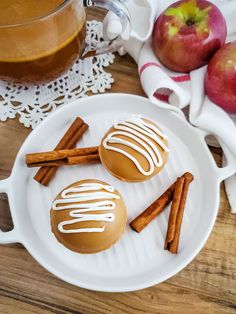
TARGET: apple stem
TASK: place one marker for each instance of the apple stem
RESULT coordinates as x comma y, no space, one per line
190,22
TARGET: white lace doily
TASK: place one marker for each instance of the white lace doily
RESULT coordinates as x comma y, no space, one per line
33,103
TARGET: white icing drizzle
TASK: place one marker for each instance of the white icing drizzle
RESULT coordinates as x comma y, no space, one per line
140,131
75,200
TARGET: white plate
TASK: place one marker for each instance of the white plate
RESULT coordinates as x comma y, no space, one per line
137,260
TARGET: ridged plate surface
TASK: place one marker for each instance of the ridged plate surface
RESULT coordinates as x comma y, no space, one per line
136,260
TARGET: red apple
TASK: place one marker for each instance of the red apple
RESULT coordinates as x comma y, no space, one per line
220,78
187,34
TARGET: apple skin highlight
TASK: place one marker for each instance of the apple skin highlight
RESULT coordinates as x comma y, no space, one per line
187,34
220,78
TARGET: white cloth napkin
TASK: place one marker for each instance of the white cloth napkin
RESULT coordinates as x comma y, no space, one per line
175,91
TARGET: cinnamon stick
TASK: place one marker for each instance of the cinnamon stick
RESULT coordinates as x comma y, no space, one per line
69,140
173,211
83,159
34,159
69,161
47,174
140,222
73,129
176,213
76,137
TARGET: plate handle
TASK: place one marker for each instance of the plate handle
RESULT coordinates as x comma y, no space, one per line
230,166
8,236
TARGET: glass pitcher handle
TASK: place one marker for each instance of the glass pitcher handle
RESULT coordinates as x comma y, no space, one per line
117,7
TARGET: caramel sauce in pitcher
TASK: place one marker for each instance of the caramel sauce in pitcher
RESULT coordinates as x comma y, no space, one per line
39,40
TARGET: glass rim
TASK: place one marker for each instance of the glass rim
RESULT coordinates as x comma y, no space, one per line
57,9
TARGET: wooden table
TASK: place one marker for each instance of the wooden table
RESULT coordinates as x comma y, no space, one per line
206,285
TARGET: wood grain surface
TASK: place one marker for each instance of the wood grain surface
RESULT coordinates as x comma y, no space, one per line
206,285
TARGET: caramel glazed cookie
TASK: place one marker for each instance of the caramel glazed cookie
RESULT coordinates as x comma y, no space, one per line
88,216
134,150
